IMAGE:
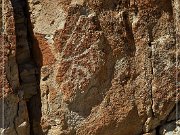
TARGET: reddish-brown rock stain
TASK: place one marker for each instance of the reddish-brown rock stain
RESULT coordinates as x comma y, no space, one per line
47,55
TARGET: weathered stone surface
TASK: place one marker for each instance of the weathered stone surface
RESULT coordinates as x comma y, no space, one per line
8,101
102,67
14,117
115,69
131,72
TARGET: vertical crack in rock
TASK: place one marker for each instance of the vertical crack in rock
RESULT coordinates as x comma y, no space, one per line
153,49
26,65
14,122
150,68
28,70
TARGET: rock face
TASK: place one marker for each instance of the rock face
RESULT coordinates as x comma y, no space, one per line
90,67
14,114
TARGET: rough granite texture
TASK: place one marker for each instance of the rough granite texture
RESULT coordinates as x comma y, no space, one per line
90,67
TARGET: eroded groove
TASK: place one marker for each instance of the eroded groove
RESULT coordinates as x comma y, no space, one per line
28,70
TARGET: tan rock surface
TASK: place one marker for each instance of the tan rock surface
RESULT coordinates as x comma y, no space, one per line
102,67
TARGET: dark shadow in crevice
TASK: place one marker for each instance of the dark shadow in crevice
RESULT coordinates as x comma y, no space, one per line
34,104
131,47
22,16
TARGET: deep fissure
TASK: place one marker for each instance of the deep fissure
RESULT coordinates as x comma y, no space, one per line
28,69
